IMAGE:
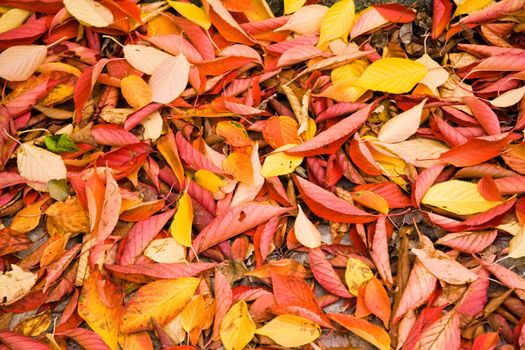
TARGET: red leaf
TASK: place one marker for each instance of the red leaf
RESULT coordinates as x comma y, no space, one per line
112,135
379,252
420,286
493,11
484,114
475,297
469,242
340,131
141,235
509,278
193,157
486,341
137,117
488,189
475,151
440,17
234,221
20,342
166,271
361,156
292,292
224,299
8,179
85,85
511,184
85,338
396,13
329,206
325,274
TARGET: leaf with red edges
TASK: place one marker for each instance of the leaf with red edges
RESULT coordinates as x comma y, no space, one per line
85,338
325,274
470,241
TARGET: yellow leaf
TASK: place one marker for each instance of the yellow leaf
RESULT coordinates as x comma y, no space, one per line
135,91
517,244
290,6
395,75
172,156
34,325
371,200
240,166
28,218
161,300
403,125
348,73
193,314
13,19
102,319
67,217
337,22
458,197
279,163
209,180
305,231
420,152
89,12
468,6
59,67
192,13
357,273
237,328
290,331
180,227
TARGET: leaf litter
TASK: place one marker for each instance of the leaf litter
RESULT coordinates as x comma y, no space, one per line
195,176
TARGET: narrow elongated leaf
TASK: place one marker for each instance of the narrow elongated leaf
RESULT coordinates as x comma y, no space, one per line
180,227
306,232
371,333
325,274
470,241
160,300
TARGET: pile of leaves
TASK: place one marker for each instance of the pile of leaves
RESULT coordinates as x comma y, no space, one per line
184,176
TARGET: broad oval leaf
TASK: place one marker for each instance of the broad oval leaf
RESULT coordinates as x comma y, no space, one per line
356,274
459,197
135,91
337,22
290,331
89,12
470,242
509,98
279,163
160,300
18,63
169,79
192,12
395,75
144,58
306,20
13,19
15,284
403,125
40,166
237,328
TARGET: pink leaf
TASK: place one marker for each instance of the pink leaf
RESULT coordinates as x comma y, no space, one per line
234,221
379,252
20,342
195,159
112,135
224,299
167,271
493,11
511,184
325,274
484,114
469,241
442,334
85,338
298,54
169,79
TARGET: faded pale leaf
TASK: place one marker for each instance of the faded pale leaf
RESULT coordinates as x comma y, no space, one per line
305,231
169,79
306,20
509,98
39,166
89,12
15,284
403,125
165,250
144,58
18,63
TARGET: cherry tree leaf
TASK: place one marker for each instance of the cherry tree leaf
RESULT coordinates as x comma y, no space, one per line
40,166
306,20
305,231
395,75
89,12
18,63
403,125
169,79
144,58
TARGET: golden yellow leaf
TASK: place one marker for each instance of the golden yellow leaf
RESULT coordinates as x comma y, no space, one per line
180,227
357,273
458,197
237,328
371,200
102,319
13,19
67,217
35,325
240,166
28,218
290,6
468,6
305,231
194,313
337,22
161,300
209,180
395,75
135,91
279,163
192,13
172,156
290,330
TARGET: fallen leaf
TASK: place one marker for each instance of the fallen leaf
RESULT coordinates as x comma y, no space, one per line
237,328
290,330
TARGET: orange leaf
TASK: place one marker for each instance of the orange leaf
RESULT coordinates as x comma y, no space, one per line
371,333
280,130
376,300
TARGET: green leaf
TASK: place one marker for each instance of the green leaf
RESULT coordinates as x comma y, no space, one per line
60,143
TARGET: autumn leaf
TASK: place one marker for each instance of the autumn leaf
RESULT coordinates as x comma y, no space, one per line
395,75
180,227
371,333
290,330
356,274
237,328
160,301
